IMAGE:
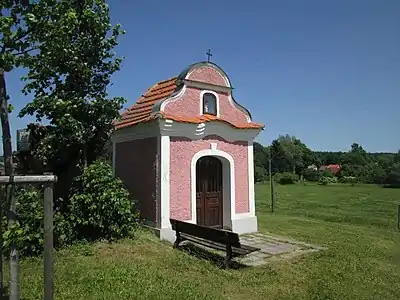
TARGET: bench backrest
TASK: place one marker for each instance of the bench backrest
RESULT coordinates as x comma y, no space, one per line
211,234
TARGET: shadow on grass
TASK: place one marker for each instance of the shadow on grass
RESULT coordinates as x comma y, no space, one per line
4,294
392,186
214,258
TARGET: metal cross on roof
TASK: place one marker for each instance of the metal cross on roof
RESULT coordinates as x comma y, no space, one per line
209,55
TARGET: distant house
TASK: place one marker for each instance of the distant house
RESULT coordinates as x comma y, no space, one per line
312,167
334,168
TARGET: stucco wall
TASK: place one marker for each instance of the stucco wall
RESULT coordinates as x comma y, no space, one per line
182,152
208,75
136,164
189,103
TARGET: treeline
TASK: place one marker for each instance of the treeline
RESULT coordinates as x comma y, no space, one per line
290,156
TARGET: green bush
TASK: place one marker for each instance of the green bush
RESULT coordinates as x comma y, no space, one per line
393,179
325,180
260,174
28,231
348,179
286,178
100,206
326,173
30,219
311,175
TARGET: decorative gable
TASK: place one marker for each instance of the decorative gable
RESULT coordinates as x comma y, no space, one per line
208,74
201,93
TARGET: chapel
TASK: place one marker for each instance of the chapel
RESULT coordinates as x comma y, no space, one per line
184,150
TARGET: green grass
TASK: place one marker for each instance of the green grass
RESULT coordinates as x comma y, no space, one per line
357,224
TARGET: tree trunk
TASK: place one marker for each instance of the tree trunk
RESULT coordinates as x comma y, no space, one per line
9,171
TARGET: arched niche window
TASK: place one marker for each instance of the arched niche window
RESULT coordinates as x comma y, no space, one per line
209,104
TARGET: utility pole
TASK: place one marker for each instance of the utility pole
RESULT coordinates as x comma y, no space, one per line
271,183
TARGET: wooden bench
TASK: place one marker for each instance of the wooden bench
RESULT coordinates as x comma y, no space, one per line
212,238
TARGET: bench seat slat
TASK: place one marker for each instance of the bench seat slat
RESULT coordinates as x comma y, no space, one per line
243,250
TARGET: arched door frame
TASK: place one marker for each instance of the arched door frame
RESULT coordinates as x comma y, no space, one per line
228,184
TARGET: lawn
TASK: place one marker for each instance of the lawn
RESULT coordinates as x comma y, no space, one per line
356,224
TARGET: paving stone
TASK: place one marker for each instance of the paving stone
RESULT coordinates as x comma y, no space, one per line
258,241
259,245
248,241
278,249
273,248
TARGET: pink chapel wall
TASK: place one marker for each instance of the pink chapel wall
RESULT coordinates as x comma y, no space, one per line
191,101
208,75
182,151
136,163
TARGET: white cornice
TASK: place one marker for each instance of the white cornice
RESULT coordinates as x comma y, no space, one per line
137,132
199,131
188,130
207,86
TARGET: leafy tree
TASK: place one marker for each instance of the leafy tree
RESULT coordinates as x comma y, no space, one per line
311,175
260,162
282,154
328,157
289,154
286,178
18,20
397,157
378,174
356,163
259,174
386,161
68,78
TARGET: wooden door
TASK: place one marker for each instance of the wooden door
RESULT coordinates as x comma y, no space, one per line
209,192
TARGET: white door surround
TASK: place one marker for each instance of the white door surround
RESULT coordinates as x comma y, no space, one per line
228,184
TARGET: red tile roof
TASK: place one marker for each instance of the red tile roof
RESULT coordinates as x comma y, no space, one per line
334,168
141,111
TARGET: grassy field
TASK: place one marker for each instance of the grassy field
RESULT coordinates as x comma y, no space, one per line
357,224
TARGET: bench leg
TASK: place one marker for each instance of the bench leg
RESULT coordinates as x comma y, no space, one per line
178,240
228,257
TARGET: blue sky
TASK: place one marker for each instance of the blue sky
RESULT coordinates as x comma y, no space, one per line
327,72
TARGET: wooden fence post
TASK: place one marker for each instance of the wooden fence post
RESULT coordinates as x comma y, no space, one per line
48,241
15,268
